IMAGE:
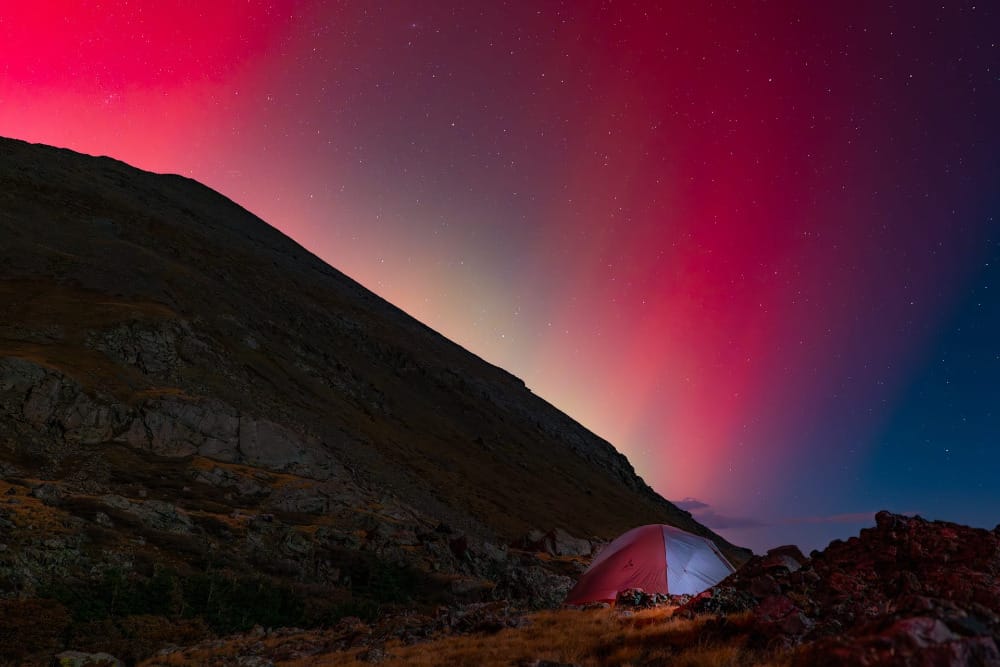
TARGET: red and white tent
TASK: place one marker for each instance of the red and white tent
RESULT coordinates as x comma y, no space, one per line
656,558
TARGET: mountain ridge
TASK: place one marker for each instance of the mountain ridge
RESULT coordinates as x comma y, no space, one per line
182,385
302,258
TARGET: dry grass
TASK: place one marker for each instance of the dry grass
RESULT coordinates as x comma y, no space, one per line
592,638
31,514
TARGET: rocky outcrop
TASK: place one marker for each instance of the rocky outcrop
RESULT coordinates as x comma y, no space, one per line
906,592
171,427
917,641
155,514
152,347
558,542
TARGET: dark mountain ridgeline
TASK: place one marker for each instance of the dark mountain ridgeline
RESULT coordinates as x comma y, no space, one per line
183,386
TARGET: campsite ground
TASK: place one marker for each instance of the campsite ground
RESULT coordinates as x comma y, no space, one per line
589,638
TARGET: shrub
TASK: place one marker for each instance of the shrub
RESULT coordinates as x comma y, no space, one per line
134,638
227,603
232,604
116,593
31,627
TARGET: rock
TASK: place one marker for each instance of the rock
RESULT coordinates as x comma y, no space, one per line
926,591
469,587
488,617
253,661
910,642
536,586
534,540
720,600
303,498
764,586
18,376
155,514
176,428
922,631
374,655
149,346
596,605
79,659
886,521
223,478
269,445
777,616
560,543
788,557
493,552
49,400
50,494
349,632
636,598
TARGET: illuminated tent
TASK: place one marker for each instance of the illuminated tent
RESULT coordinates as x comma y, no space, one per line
655,558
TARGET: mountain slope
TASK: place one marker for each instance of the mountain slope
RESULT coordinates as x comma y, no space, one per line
175,373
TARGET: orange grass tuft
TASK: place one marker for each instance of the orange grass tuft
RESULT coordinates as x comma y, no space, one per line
591,638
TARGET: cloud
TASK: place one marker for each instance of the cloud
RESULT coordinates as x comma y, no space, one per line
721,522
690,504
856,517
705,515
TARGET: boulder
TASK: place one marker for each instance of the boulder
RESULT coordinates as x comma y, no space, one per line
777,616
536,586
636,598
918,641
560,543
174,427
155,514
151,347
48,493
788,557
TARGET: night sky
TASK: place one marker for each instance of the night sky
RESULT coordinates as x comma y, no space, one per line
754,245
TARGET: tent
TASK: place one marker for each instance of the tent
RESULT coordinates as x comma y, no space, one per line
655,558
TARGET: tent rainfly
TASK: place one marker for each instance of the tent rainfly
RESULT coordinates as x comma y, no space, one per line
655,558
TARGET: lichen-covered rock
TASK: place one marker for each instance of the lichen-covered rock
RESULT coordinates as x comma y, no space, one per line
535,586
558,542
149,346
176,428
917,641
155,514
906,592
268,445
47,400
636,598
243,485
